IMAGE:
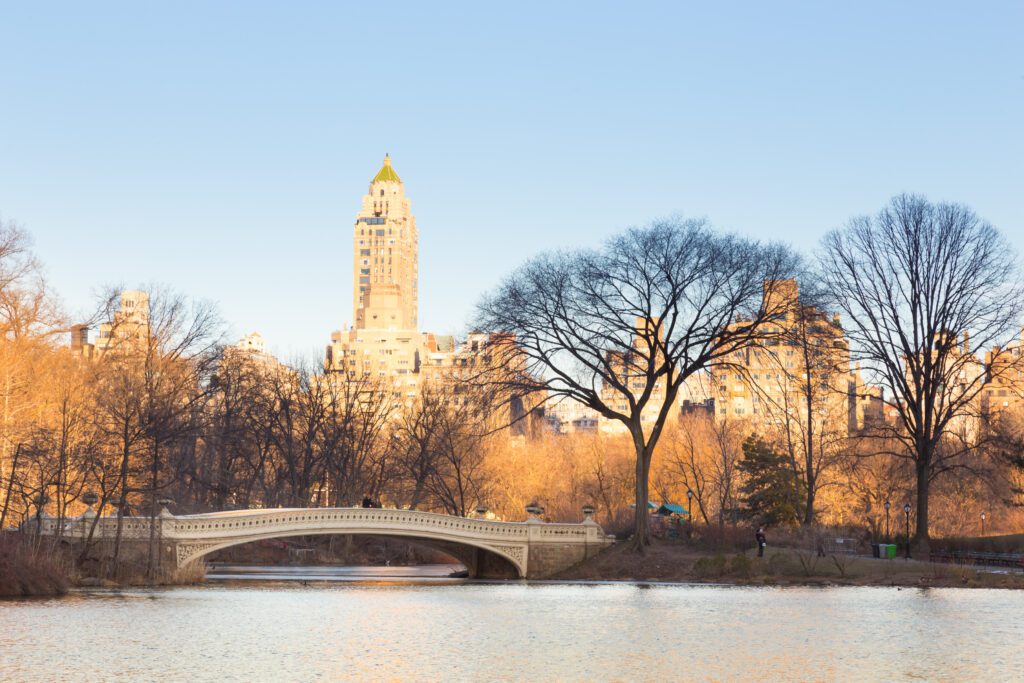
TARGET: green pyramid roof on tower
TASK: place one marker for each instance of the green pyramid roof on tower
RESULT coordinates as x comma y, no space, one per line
386,173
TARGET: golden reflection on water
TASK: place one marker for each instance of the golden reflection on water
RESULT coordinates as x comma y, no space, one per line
387,630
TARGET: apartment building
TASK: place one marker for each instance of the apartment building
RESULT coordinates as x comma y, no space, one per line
1004,385
803,357
127,330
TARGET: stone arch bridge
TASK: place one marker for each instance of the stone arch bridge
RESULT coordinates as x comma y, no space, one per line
488,548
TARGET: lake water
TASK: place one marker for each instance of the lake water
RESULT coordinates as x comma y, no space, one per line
380,631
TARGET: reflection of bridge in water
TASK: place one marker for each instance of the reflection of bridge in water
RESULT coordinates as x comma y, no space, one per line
487,548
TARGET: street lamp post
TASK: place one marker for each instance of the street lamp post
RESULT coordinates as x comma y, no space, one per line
906,511
982,523
887,506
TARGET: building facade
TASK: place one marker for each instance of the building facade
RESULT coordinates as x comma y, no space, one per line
1004,386
385,248
127,330
804,357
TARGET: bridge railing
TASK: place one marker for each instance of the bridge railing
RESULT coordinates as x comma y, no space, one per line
79,527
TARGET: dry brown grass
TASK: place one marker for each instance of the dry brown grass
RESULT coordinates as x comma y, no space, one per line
134,574
26,570
670,561
188,575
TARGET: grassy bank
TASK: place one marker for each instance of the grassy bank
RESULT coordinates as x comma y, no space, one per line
677,561
27,570
134,574
31,567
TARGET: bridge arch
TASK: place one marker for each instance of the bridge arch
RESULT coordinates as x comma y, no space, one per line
188,552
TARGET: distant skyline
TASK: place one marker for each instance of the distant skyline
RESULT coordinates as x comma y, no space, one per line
223,148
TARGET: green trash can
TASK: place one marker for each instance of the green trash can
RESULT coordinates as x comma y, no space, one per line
890,551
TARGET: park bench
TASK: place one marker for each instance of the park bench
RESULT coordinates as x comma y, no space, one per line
840,546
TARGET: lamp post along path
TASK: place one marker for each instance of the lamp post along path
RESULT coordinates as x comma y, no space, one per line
906,511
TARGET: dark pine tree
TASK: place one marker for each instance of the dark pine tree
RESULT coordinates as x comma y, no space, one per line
769,492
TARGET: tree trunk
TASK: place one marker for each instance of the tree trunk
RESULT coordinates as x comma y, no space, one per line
87,543
118,532
641,529
61,482
810,476
809,508
921,525
10,487
123,481
154,481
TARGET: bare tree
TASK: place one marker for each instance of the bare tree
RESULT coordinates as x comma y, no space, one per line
703,454
622,328
120,393
459,483
805,396
727,438
28,321
227,465
910,281
299,416
417,441
870,478
180,358
360,410
152,379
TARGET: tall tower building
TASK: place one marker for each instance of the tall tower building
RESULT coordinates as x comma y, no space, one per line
384,343
386,252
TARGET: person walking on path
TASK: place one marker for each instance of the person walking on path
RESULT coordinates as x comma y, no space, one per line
761,541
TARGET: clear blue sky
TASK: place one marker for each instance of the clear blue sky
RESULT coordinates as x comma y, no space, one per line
223,148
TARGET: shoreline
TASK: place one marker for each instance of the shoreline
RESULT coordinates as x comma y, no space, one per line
664,564
392,583
260,584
